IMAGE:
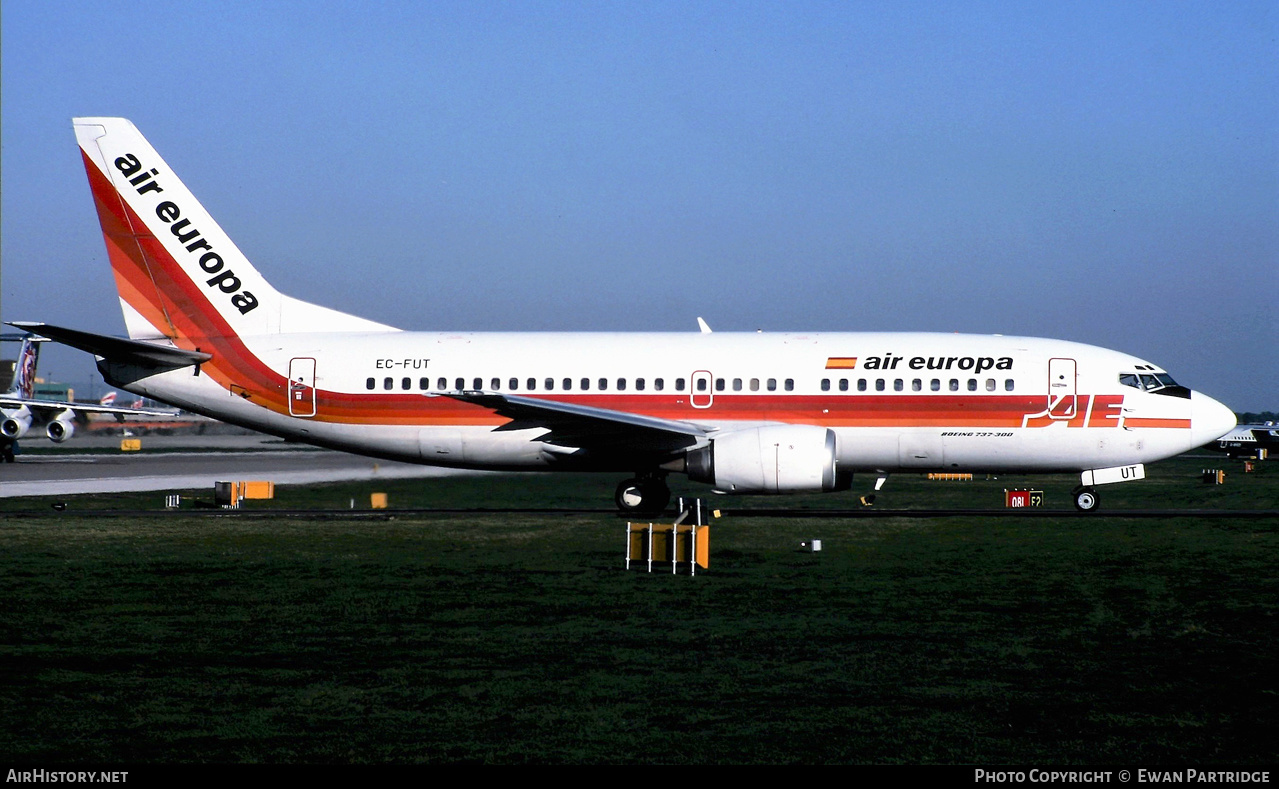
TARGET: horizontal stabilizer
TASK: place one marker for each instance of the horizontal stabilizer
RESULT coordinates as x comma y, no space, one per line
116,349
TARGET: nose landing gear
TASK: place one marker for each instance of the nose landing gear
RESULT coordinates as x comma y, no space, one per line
1086,499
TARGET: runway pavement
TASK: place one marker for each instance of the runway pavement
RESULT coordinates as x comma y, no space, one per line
185,463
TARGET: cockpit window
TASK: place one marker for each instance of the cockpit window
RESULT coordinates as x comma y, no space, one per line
1154,382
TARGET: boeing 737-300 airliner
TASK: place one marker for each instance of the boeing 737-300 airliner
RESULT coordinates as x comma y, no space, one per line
745,413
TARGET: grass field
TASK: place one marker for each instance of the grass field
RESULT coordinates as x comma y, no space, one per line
515,638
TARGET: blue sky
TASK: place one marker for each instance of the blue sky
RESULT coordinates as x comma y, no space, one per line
1103,172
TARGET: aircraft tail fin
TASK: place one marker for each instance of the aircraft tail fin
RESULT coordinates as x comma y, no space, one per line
178,274
24,371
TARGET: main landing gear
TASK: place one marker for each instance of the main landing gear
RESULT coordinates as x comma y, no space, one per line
1086,499
643,495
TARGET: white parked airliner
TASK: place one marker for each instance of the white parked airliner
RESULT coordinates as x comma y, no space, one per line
746,413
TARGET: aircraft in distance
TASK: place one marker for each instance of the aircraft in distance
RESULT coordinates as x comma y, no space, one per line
745,413
137,405
1249,441
19,411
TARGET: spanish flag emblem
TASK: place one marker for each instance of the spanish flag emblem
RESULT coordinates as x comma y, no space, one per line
841,362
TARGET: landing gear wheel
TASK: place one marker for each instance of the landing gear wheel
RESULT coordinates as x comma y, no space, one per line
642,496
1086,499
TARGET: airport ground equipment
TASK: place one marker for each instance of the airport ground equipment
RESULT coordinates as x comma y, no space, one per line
686,542
233,494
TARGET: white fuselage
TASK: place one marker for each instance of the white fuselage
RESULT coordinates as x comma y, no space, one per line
744,412
895,401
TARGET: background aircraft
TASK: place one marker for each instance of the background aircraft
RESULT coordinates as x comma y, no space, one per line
20,411
1249,441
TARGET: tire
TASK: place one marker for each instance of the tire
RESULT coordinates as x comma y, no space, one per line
642,497
1086,500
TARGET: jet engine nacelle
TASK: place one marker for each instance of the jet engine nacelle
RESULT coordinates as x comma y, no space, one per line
15,423
773,459
62,427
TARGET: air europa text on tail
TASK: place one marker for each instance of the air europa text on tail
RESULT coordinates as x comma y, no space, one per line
210,261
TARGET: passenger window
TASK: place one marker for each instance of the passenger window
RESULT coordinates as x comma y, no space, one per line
442,384
719,384
861,384
659,384
568,384
935,385
639,384
737,384
550,384
701,384
406,383
370,383
879,384
586,384
514,384
388,383
990,384
917,385
424,383
772,384
790,384
754,384
479,384
603,384
679,384
531,384
1008,384
621,384
825,384
954,384
972,384
898,385
495,384
843,384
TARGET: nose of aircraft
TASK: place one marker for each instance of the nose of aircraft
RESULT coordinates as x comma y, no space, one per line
1209,420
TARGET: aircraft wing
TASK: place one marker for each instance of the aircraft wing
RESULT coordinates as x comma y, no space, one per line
585,427
87,408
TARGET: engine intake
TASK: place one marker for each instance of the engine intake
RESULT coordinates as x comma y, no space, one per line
61,428
773,459
15,424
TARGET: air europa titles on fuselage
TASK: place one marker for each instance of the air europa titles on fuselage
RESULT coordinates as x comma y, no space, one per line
211,262
978,364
